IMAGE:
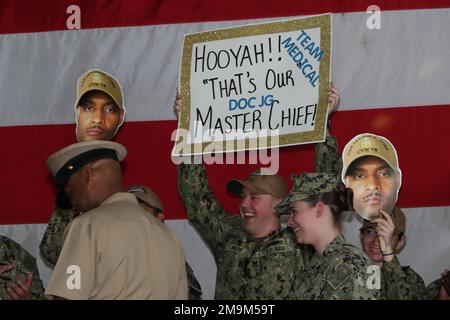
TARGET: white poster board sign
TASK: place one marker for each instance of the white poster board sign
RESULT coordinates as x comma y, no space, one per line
255,86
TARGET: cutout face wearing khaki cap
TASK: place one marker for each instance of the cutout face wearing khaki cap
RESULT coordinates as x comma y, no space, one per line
371,170
99,106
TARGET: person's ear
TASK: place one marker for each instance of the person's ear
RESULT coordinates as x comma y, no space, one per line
160,216
122,116
347,181
398,181
88,175
77,116
276,202
400,243
320,207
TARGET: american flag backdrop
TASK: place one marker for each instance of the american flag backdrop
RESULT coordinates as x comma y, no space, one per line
394,81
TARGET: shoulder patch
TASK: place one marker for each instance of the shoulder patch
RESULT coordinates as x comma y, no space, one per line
339,276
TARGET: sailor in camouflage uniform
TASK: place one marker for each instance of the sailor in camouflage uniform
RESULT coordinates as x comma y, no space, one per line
250,265
371,169
255,258
16,265
338,270
397,282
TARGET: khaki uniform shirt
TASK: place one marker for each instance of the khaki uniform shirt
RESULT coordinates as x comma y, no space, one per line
51,244
118,251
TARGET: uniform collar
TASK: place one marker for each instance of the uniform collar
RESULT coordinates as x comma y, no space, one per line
334,246
119,197
261,239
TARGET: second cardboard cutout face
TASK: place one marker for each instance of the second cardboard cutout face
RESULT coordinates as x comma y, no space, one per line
371,170
99,107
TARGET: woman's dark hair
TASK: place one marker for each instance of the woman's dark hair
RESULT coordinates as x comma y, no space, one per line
338,201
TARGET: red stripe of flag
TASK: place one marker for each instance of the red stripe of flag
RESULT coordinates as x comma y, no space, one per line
28,194
37,16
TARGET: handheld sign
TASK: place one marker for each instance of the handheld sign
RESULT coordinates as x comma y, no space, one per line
255,86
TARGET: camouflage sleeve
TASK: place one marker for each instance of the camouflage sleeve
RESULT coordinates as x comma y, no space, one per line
327,156
400,283
432,290
51,242
23,264
203,209
195,290
271,271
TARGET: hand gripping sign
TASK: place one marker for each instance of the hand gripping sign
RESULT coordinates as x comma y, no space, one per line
242,87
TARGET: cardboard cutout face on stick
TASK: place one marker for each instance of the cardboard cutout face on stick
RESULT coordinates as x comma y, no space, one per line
371,170
99,107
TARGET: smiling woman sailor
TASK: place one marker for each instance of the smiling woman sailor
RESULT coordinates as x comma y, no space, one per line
338,270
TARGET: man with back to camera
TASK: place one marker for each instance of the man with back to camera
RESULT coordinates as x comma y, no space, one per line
115,248
99,112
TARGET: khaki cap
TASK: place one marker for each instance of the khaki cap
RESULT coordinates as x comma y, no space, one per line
368,144
260,184
398,217
65,162
310,184
147,195
96,79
